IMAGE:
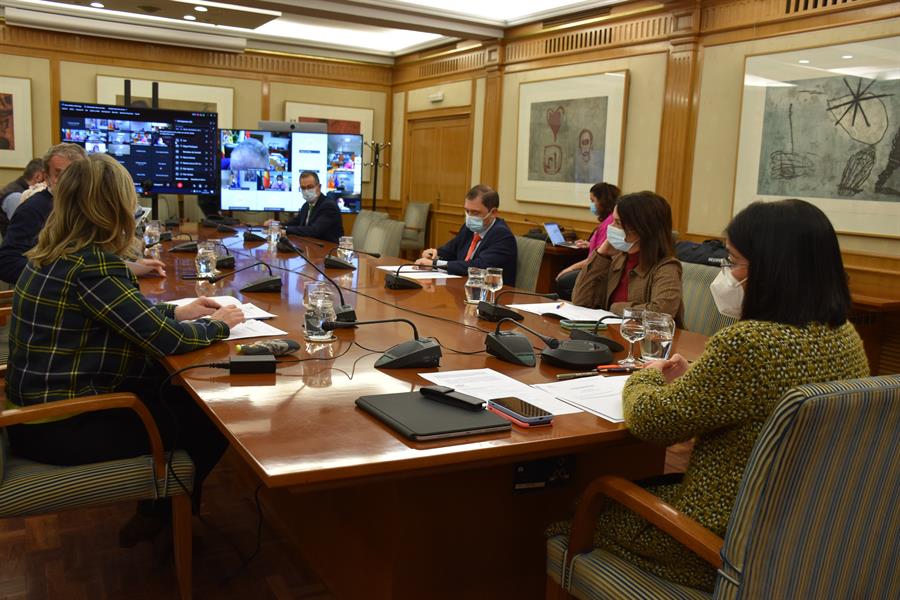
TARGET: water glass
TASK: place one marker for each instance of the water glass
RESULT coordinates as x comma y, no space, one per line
206,259
477,272
659,330
493,281
345,248
319,310
151,233
632,330
273,232
474,289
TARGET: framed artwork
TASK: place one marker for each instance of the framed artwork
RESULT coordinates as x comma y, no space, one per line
173,96
570,136
823,124
339,119
15,122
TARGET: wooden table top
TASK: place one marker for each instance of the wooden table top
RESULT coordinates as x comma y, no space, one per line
301,426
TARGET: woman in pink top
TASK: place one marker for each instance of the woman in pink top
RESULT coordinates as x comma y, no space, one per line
603,200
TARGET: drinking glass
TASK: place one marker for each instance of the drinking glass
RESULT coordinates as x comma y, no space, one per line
319,309
151,233
493,281
632,330
474,289
345,247
477,272
206,259
273,232
659,330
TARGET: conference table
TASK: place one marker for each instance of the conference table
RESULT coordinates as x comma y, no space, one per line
375,514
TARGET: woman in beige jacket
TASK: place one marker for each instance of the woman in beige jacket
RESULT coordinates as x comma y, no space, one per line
635,267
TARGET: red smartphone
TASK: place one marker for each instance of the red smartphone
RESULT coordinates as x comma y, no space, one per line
520,412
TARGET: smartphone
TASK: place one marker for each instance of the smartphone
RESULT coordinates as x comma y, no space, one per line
526,414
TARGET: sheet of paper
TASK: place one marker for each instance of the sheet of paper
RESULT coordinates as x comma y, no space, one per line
413,273
599,395
251,311
567,310
253,328
487,384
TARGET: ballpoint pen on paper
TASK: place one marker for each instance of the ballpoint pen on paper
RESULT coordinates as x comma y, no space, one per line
577,375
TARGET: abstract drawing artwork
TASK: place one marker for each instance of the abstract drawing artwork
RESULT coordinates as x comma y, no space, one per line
15,122
832,137
571,133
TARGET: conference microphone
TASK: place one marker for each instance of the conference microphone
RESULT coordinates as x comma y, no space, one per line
393,281
419,352
333,262
224,262
251,236
344,313
495,312
514,347
189,246
269,283
592,336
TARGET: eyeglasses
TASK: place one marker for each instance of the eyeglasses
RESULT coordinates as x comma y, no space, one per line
727,263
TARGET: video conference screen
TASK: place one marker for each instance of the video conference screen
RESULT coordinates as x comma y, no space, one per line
260,170
173,149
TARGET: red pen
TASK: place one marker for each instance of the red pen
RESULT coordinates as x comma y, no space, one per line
615,369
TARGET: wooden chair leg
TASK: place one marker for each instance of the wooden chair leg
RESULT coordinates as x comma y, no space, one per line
182,540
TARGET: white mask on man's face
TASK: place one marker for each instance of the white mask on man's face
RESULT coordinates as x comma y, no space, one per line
310,195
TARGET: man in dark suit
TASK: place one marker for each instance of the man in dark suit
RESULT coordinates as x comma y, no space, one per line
320,217
485,241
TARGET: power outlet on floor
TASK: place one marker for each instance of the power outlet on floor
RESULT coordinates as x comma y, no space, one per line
544,473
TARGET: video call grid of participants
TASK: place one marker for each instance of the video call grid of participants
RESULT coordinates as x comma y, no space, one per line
256,160
116,137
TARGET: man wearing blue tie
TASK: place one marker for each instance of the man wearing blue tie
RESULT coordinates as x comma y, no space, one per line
485,241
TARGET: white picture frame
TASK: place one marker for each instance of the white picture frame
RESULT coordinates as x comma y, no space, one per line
16,143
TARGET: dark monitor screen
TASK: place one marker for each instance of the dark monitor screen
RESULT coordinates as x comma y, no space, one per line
173,149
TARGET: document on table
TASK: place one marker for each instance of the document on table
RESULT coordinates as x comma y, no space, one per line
487,384
411,272
253,328
599,395
251,311
567,310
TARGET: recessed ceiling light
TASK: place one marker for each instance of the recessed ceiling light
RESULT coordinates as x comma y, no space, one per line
190,18
803,61
847,56
97,5
200,8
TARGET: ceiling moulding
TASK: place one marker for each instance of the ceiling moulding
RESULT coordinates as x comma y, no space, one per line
121,31
311,53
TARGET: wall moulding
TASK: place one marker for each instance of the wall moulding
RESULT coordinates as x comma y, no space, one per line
732,14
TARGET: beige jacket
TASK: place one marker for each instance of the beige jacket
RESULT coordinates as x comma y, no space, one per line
658,290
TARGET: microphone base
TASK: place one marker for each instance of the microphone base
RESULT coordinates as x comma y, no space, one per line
165,236
511,346
264,284
184,247
226,262
495,312
578,355
395,282
225,228
250,236
420,353
580,334
332,262
345,314
285,245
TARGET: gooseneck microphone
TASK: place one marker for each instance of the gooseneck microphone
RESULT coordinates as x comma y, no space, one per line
592,336
393,281
344,313
514,347
333,262
270,283
224,262
420,352
495,312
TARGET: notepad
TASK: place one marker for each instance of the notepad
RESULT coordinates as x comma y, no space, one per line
567,310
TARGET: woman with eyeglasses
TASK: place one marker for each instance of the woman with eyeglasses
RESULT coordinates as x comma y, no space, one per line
636,266
785,282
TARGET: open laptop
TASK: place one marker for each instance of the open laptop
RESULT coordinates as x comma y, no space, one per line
556,236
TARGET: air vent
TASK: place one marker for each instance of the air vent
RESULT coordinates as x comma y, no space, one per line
574,18
149,9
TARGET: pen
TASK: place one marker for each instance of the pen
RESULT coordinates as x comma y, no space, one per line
616,369
577,375
559,305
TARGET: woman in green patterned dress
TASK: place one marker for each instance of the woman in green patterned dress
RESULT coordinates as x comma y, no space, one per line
784,279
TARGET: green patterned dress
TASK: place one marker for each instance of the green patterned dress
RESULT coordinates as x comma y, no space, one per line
722,401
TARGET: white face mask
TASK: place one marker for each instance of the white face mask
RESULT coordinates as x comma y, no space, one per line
310,195
728,294
616,237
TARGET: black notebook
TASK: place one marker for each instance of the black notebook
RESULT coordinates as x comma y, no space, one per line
421,419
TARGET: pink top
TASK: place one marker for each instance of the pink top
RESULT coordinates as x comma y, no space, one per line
599,235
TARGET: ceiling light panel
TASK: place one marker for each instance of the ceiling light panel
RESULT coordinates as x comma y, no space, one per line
381,39
501,11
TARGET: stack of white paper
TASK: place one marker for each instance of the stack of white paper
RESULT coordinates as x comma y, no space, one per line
251,311
567,310
487,384
411,272
599,395
252,328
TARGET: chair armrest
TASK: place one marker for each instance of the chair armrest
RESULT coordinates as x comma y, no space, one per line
74,406
5,294
697,538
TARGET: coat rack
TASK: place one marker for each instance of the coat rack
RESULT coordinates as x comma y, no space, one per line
376,163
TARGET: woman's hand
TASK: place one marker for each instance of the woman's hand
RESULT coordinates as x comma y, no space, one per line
231,315
672,368
582,244
606,249
201,307
564,271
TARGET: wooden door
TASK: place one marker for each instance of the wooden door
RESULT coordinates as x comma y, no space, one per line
437,167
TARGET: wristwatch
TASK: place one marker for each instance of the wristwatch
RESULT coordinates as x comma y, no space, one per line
434,263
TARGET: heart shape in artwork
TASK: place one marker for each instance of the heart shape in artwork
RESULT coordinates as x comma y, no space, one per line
554,119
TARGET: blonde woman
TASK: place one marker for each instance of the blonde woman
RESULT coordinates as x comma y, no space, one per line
80,326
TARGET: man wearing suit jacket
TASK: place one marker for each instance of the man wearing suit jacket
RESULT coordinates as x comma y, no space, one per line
320,217
485,241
